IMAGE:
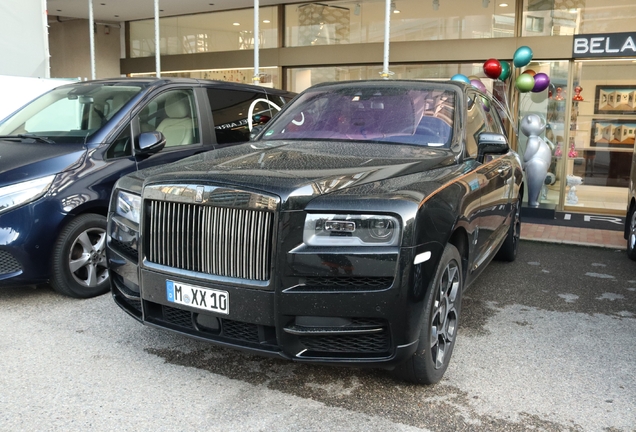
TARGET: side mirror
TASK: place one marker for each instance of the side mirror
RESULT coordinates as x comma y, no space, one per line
491,143
150,143
255,131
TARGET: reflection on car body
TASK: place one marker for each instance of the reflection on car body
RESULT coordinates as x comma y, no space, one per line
345,233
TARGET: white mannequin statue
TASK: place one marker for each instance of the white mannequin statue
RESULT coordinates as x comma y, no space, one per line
537,156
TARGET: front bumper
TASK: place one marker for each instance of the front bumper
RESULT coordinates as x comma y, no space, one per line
372,321
27,236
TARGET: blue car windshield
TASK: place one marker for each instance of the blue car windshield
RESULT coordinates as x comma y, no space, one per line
71,113
402,114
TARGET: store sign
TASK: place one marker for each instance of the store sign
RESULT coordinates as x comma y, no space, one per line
605,45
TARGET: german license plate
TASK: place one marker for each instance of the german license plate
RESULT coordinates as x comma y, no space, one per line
198,297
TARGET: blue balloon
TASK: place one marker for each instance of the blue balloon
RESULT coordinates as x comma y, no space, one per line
522,56
461,78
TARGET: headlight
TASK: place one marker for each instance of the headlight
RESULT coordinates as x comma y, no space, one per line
20,193
351,230
128,205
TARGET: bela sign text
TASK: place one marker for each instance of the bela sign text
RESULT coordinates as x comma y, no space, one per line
605,45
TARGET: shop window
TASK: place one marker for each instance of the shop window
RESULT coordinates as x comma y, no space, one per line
207,32
362,21
534,24
568,17
270,76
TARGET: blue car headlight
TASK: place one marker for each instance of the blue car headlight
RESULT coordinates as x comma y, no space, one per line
351,230
128,205
24,192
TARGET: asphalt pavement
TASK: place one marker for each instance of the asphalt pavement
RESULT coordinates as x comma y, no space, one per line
545,343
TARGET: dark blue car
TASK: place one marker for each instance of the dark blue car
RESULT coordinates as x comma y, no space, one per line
61,154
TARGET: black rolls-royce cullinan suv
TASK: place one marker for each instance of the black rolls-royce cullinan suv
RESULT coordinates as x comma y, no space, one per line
344,233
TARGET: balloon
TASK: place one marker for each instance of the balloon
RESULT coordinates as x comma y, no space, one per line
522,56
525,83
492,68
505,71
529,72
478,85
460,78
541,82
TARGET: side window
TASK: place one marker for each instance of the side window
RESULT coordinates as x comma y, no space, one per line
174,114
475,123
230,109
122,146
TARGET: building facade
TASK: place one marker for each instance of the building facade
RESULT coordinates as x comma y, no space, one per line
589,107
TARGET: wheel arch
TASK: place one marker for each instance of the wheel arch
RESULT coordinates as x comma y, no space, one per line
459,239
631,209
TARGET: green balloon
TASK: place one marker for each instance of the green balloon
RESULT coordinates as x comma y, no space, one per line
505,71
525,83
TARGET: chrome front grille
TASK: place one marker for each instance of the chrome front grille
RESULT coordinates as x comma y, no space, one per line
222,241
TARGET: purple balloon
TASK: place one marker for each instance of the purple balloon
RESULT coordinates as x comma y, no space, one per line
478,85
541,82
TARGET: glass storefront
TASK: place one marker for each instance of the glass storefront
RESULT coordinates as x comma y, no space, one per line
209,32
352,22
588,108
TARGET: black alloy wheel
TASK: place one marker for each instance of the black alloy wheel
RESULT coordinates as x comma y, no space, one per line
440,323
631,234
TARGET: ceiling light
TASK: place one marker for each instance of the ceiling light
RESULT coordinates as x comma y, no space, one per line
503,4
236,24
435,4
266,21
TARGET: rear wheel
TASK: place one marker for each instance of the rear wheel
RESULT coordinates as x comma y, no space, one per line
440,323
79,260
631,234
510,246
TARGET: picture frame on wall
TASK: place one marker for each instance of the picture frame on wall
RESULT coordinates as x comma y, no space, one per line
613,133
615,99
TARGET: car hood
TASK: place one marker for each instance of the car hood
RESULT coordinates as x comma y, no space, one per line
22,161
301,169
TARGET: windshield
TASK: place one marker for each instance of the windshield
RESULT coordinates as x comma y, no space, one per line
70,114
417,114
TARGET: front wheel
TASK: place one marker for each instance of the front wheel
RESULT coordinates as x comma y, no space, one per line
440,323
79,260
631,234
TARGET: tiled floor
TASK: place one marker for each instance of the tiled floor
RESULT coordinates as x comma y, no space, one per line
580,236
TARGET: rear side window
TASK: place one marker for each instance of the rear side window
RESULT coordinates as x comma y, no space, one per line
230,111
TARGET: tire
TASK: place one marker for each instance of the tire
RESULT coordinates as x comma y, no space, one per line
631,234
439,325
510,246
79,259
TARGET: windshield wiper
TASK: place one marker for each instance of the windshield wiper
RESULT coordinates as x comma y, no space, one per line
29,136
